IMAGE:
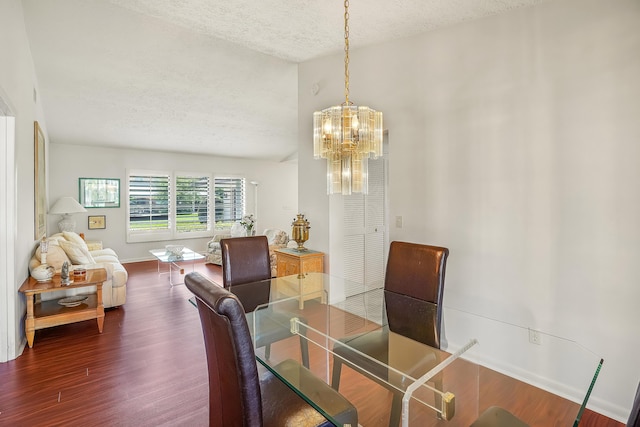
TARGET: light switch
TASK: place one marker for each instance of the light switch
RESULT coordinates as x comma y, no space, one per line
399,222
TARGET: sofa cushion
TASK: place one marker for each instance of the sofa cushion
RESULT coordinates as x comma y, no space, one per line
76,253
55,238
103,252
105,258
117,275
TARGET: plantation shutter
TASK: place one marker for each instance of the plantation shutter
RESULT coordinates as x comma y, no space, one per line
229,200
149,202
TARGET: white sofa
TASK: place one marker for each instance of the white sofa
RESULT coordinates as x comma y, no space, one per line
70,247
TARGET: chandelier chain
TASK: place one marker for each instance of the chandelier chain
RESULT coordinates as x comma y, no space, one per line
347,136
346,51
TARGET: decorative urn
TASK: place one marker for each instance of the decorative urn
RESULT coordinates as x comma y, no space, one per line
300,231
43,273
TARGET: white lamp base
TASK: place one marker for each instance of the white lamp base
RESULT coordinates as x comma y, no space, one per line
67,224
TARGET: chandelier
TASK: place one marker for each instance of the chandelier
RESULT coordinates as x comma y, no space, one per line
347,135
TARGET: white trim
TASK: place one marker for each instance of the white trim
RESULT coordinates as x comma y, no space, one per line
8,193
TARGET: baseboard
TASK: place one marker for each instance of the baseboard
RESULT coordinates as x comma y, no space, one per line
596,404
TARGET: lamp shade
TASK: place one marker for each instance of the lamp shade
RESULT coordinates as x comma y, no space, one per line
66,205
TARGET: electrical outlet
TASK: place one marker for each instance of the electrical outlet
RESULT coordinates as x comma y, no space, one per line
535,337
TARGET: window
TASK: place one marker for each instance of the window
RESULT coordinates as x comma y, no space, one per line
192,204
166,206
149,202
229,201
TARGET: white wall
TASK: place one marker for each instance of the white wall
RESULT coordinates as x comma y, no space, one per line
515,142
277,189
18,82
17,85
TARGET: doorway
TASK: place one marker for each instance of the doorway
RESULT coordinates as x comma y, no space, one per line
8,293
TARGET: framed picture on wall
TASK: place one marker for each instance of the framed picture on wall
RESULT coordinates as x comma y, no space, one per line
97,222
99,192
40,183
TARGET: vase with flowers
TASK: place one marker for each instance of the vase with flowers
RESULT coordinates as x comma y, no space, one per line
248,222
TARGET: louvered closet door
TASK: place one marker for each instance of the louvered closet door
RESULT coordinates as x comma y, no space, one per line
365,230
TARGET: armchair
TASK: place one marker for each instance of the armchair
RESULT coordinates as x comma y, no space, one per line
214,252
276,239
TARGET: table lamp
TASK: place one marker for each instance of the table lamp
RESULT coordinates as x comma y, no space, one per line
66,206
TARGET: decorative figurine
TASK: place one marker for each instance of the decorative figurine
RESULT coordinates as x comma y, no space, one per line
64,274
43,273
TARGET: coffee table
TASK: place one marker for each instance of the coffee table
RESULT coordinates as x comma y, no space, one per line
176,262
45,314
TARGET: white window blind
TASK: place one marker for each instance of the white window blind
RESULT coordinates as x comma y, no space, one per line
149,196
229,200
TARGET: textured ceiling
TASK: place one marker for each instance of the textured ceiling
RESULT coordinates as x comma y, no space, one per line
203,76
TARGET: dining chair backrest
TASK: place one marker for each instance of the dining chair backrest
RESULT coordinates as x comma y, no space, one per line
234,386
417,271
246,272
245,260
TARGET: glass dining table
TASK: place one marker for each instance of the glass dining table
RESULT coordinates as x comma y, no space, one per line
483,364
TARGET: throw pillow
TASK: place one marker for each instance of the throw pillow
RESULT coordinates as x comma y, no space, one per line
53,240
280,238
76,253
55,256
75,238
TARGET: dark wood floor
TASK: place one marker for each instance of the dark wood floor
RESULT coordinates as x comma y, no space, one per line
147,368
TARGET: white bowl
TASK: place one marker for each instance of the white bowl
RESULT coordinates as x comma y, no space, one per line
174,249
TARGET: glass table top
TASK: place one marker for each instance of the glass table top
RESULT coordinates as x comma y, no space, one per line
187,255
390,340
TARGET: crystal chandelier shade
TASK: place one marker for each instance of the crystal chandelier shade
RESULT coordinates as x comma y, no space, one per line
347,136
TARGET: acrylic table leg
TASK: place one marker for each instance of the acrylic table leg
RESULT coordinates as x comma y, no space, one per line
179,269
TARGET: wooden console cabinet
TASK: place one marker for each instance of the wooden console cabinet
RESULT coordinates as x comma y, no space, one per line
292,262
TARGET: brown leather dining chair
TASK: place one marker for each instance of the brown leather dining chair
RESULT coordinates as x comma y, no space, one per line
413,288
238,395
246,260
